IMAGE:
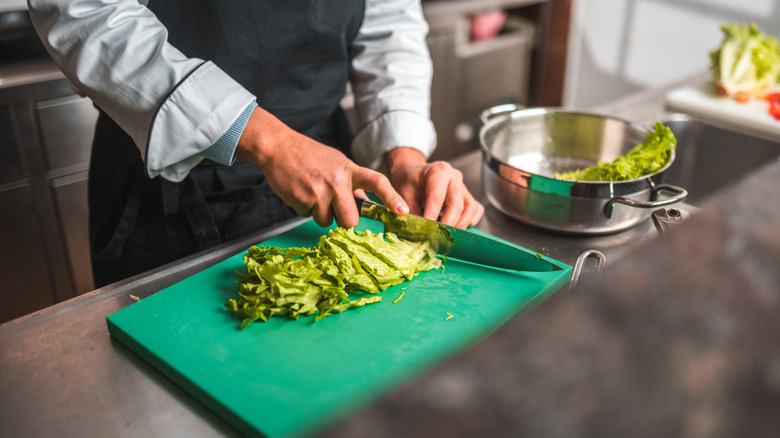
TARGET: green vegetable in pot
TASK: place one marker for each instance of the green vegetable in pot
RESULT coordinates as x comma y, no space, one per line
746,63
643,159
326,279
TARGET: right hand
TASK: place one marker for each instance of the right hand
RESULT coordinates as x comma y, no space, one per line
314,179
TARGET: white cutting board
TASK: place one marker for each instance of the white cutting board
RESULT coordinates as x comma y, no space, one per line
703,101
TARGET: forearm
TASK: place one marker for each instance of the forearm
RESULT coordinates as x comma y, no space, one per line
117,54
262,135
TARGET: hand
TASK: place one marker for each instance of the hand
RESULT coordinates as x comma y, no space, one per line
314,179
434,188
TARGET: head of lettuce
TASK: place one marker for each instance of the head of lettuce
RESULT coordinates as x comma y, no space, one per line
747,63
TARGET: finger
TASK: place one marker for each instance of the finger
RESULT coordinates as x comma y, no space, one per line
437,181
480,212
300,208
411,195
360,193
322,214
345,210
467,215
472,213
453,206
372,181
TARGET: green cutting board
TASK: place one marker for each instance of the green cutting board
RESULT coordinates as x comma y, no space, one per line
290,378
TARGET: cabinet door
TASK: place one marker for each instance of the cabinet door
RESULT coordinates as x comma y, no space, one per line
444,98
24,277
70,201
45,141
66,127
493,72
10,157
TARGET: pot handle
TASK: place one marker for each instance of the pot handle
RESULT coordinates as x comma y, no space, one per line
591,253
498,110
681,195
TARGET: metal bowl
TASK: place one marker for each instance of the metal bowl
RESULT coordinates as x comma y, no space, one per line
524,148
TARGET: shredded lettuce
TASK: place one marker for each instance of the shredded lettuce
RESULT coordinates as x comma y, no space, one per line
643,159
746,63
324,279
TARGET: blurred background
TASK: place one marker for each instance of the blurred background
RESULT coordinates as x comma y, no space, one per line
620,46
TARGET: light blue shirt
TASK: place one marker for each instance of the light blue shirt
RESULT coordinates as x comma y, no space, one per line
223,151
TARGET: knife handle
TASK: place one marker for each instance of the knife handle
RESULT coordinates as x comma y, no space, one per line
363,204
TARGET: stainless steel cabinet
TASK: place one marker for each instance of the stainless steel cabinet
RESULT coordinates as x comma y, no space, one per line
469,77
497,70
24,278
45,140
442,41
70,205
10,153
65,126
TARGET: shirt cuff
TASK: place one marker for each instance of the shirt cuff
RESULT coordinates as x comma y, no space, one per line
394,129
224,149
195,115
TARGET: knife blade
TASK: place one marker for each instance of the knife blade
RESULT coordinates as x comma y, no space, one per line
454,242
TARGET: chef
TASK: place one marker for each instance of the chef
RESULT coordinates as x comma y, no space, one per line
220,118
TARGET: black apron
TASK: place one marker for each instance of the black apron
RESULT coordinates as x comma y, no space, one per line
294,56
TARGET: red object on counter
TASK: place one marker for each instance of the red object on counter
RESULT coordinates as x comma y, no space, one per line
774,104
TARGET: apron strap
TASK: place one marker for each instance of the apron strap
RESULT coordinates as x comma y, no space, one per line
113,249
169,191
195,208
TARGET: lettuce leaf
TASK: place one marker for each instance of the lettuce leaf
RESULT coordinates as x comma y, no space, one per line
297,282
643,159
413,228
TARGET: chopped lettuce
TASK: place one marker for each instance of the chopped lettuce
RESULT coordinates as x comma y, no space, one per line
643,159
746,63
304,281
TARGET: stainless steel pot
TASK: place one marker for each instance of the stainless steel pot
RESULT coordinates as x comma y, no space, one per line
523,148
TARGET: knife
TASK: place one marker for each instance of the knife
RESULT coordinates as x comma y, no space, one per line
454,242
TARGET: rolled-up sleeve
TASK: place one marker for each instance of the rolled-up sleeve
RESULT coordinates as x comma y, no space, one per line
117,54
391,78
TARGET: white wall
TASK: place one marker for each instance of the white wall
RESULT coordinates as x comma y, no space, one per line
621,46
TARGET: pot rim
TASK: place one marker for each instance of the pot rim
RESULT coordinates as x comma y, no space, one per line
496,163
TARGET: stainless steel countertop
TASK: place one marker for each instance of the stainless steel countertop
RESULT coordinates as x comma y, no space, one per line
63,362
61,374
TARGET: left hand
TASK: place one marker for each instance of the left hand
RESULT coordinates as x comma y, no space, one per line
431,189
